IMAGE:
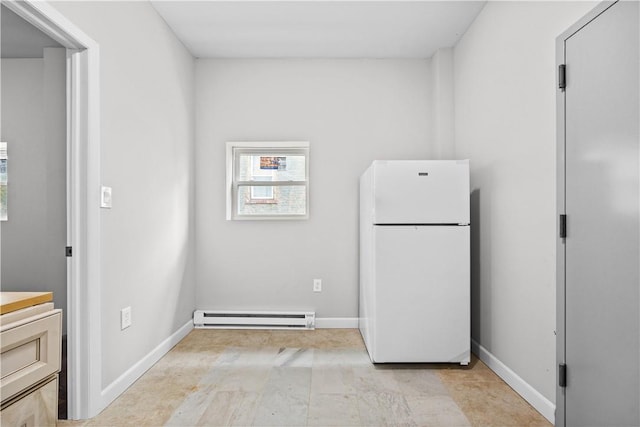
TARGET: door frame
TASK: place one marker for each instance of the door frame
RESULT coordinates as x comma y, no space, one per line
560,417
83,209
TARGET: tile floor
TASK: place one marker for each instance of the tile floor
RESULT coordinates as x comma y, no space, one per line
308,378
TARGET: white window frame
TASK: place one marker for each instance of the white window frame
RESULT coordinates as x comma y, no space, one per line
258,147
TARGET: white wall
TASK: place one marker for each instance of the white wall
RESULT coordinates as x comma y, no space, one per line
34,126
505,123
351,112
147,122
442,111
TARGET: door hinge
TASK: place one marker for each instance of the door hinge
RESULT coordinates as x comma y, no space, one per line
562,375
68,251
562,226
562,76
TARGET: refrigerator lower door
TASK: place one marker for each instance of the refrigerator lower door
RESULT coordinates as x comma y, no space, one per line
422,294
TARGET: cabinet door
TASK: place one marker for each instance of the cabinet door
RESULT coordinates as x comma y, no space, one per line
37,408
29,352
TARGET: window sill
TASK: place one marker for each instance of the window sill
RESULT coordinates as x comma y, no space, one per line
261,202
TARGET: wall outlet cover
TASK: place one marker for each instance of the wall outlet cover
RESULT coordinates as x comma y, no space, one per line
125,318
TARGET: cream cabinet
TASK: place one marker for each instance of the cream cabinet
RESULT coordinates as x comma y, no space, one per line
30,352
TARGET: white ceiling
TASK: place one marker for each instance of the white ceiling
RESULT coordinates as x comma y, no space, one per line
317,29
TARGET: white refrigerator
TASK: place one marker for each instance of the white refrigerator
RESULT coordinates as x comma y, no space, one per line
415,261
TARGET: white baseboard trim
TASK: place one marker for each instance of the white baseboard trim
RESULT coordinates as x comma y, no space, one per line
117,387
524,389
336,322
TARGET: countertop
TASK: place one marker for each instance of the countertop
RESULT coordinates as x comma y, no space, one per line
12,301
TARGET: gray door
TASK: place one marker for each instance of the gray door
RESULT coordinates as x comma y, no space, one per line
601,200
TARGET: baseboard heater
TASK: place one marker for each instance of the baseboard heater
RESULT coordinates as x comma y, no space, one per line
214,319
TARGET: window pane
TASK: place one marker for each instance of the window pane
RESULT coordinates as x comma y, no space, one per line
3,202
262,193
286,200
281,167
3,181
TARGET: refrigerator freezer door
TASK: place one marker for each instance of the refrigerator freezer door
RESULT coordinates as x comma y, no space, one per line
421,192
422,294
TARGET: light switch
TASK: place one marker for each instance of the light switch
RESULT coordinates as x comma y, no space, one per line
105,197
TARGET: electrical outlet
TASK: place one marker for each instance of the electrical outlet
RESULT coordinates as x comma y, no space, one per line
317,285
125,318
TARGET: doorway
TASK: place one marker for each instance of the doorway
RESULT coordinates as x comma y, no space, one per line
83,187
599,207
34,229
